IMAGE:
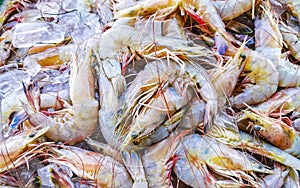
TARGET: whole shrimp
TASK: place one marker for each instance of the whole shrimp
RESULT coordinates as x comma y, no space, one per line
260,82
197,150
104,170
15,145
158,72
113,82
76,122
281,103
204,8
274,131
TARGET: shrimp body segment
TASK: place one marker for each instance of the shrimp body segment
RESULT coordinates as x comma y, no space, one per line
104,170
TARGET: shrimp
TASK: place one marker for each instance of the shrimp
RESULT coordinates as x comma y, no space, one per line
291,39
274,131
157,163
5,46
231,9
135,167
225,78
197,79
294,7
261,79
205,9
104,170
15,145
281,103
222,159
268,39
113,82
76,122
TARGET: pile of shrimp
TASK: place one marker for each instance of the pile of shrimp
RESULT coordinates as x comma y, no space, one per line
150,93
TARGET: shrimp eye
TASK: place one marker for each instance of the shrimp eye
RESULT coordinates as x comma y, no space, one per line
257,127
136,142
134,135
243,56
31,135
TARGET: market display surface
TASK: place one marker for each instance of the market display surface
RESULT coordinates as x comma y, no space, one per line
150,93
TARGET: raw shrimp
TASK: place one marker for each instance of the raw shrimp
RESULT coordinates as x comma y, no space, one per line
5,46
106,171
225,78
281,103
294,6
134,165
231,9
268,39
112,80
76,122
222,159
289,73
261,79
204,8
274,131
157,163
15,145
162,72
291,39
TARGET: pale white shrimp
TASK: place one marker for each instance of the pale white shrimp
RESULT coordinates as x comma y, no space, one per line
222,159
268,39
76,122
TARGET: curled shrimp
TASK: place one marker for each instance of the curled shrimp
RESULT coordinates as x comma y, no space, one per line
260,82
104,170
197,150
15,145
76,122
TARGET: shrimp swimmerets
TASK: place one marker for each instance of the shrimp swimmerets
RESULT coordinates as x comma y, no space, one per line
76,122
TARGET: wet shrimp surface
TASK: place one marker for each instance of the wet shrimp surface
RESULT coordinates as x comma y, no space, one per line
149,93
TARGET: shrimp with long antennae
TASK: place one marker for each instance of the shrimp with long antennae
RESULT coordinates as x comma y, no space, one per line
221,158
204,8
112,82
13,146
73,123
